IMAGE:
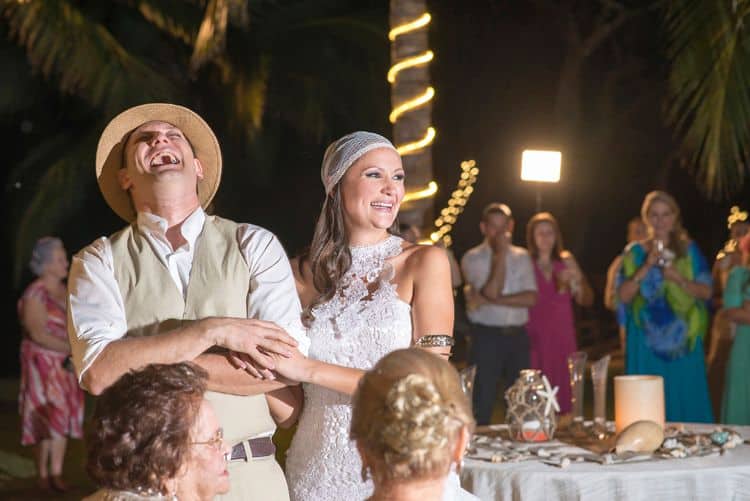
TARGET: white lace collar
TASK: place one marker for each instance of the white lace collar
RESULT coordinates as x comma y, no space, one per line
368,261
366,282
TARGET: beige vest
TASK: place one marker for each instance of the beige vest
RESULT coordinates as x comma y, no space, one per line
218,286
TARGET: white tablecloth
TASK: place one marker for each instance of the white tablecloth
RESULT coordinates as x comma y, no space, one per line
713,478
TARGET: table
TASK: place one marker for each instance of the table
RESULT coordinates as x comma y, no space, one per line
712,478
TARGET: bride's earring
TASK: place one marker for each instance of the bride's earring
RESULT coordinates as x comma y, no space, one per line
365,473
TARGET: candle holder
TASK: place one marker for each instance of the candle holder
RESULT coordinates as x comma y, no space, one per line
599,380
576,368
531,407
638,398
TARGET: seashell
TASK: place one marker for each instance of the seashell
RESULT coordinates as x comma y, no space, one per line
671,443
641,436
720,437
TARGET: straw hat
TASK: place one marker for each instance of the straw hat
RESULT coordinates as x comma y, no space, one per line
109,155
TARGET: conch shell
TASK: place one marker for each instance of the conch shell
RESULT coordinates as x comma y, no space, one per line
640,436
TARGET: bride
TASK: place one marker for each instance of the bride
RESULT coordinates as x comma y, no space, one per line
365,293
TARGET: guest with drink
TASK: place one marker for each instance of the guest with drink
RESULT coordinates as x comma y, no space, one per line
663,287
560,281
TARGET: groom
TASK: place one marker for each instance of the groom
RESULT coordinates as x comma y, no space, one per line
177,282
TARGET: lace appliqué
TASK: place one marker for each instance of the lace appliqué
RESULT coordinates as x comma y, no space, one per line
363,322
367,280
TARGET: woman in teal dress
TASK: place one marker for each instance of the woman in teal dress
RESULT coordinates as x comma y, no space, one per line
664,285
735,406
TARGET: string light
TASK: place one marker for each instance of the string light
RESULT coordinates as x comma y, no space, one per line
412,103
409,62
421,99
430,190
736,216
420,22
448,215
411,148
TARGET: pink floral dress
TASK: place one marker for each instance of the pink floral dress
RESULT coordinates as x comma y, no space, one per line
50,401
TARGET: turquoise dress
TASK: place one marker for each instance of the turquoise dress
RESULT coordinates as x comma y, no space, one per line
665,328
735,405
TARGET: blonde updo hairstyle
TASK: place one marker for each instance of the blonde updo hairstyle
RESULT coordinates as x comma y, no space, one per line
408,415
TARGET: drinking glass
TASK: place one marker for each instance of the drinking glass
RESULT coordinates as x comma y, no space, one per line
576,369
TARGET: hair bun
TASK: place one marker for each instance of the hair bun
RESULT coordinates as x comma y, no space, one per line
415,420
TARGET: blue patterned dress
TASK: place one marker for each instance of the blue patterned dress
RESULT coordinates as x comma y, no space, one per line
665,328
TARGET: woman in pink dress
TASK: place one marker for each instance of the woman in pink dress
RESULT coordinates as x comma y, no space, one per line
551,326
50,400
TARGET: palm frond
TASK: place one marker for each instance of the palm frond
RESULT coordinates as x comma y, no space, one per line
709,46
82,56
173,17
212,34
18,89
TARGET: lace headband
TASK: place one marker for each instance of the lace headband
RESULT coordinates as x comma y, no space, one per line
342,154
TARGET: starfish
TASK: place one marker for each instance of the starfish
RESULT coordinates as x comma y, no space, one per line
549,394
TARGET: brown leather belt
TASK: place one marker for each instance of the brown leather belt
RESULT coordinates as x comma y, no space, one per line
252,448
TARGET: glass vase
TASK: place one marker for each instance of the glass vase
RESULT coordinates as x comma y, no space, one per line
467,376
576,369
529,416
599,380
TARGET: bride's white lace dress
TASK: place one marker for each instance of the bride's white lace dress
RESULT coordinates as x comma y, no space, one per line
364,321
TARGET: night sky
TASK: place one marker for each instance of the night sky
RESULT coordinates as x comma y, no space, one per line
496,73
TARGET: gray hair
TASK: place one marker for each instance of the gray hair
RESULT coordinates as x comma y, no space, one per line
42,253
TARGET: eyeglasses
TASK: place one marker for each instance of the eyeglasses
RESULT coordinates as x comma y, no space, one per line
217,441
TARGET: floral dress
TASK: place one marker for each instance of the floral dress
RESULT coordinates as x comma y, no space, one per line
50,401
665,327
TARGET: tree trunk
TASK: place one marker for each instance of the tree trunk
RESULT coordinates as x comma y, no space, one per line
412,126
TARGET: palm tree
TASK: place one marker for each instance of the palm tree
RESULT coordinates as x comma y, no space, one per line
709,50
412,126
249,67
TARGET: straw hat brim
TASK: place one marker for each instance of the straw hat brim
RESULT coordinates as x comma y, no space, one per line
109,154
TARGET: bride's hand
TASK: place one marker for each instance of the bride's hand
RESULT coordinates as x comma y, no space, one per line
295,368
244,362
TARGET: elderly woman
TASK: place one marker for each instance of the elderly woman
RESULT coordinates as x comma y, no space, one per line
154,436
50,400
664,287
412,422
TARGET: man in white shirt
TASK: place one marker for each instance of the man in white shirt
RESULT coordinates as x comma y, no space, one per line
177,283
500,288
